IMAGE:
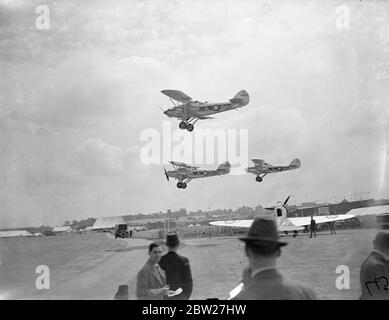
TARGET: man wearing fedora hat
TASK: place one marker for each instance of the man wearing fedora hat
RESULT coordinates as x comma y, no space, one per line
374,274
177,268
263,281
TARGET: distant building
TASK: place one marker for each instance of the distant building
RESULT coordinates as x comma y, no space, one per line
62,229
15,233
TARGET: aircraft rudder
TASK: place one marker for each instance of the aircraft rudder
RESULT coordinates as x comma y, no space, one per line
242,97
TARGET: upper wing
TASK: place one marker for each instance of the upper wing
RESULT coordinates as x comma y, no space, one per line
182,165
258,161
177,95
306,221
233,223
179,164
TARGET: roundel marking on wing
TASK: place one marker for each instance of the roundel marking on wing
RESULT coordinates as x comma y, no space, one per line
216,108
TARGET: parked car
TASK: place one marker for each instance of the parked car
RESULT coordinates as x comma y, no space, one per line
121,231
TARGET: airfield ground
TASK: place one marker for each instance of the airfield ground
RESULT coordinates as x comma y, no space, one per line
92,266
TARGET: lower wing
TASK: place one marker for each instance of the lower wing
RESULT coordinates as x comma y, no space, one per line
233,223
247,224
204,118
306,221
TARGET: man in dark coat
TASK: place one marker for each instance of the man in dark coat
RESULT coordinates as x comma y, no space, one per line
177,269
313,227
332,227
262,280
374,275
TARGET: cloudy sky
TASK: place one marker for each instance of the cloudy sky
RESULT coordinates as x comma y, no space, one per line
76,98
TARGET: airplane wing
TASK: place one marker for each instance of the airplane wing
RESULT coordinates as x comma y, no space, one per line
247,224
233,223
306,221
179,164
203,118
258,161
290,224
177,95
182,165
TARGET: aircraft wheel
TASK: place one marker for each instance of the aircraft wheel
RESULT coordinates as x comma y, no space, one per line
179,185
259,179
182,125
190,127
184,185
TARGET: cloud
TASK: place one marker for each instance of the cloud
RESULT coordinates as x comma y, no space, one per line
95,157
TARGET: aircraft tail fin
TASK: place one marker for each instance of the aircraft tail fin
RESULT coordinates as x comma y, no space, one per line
224,168
296,163
242,98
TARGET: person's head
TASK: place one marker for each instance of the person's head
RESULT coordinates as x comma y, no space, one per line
262,241
155,252
381,242
172,241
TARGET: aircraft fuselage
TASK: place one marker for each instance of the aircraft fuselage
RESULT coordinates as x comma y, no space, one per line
194,174
199,109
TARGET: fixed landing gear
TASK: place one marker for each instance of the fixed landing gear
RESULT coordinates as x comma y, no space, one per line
295,234
181,185
259,179
187,125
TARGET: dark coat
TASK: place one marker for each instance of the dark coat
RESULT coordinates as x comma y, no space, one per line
178,274
374,277
271,285
149,279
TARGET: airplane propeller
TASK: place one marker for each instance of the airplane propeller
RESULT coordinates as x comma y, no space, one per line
167,177
286,201
284,204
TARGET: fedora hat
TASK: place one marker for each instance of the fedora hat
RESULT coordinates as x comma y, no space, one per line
172,239
263,231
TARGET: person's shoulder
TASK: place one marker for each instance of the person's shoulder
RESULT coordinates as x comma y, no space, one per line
373,261
241,296
183,259
303,291
143,270
308,292
164,260
165,256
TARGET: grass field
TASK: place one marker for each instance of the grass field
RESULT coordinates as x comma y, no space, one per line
92,266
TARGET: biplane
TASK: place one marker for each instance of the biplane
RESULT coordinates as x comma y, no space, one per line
261,168
189,111
185,173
